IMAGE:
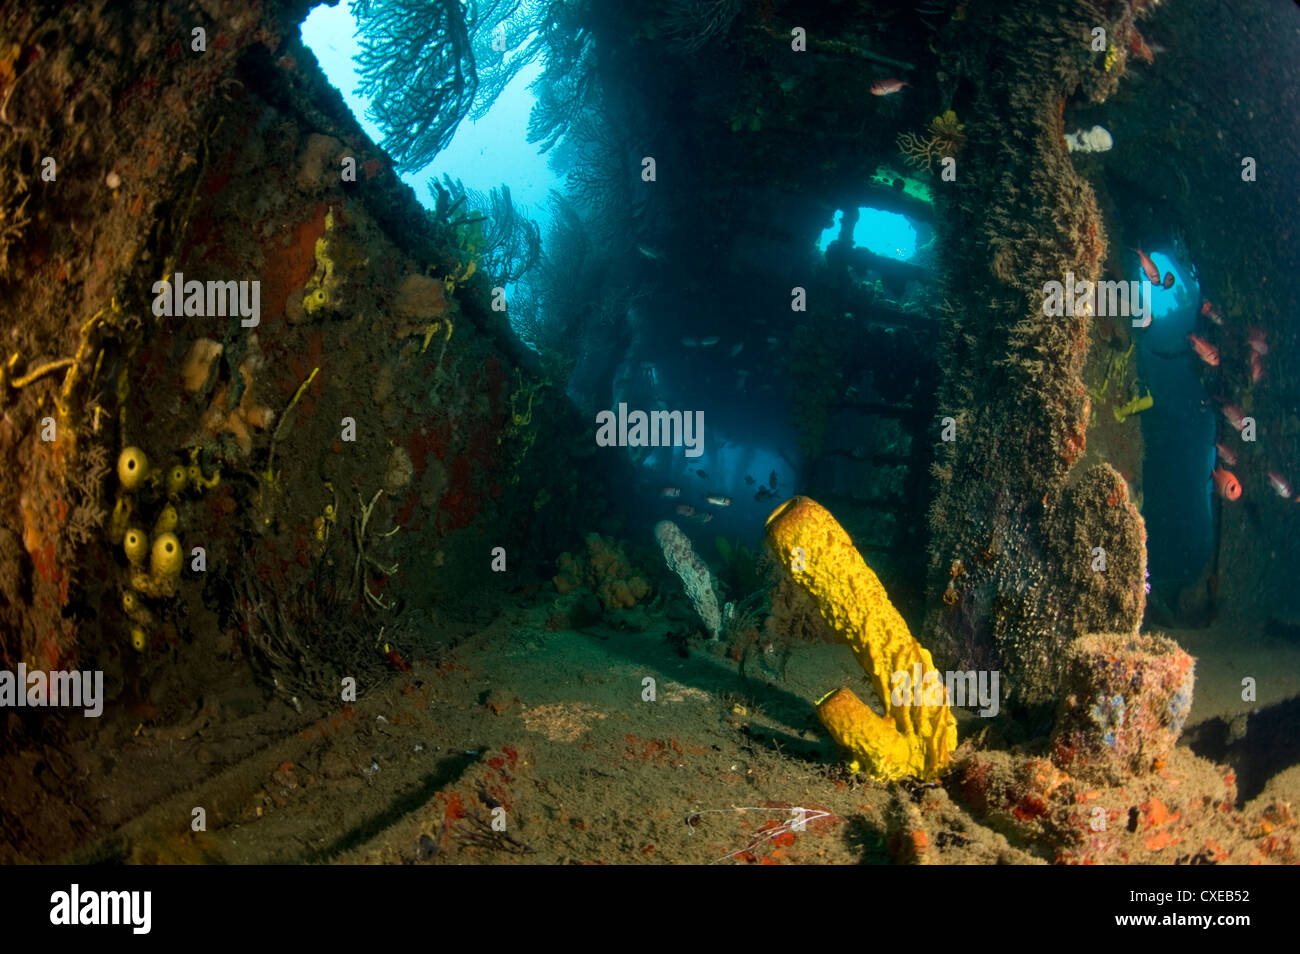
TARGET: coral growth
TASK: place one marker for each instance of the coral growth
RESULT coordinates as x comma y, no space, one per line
1124,703
1180,813
606,571
1025,217
236,410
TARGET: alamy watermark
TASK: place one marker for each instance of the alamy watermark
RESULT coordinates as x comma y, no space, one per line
651,429
75,907
73,690
912,688
195,299
1098,299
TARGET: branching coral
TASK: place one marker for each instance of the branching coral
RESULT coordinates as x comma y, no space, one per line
365,559
565,90
13,223
417,69
513,242
489,227
691,25
427,64
559,317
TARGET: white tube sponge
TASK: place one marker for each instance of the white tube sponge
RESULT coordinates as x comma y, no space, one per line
694,574
1096,139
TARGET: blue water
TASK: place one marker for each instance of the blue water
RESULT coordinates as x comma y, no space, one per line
884,233
1179,432
483,154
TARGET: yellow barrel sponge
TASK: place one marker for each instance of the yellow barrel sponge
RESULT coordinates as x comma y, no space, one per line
132,468
165,563
915,739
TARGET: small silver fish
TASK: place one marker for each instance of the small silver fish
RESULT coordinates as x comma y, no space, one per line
736,349
710,341
690,342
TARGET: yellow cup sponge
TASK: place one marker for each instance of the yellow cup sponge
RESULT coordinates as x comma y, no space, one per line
167,520
165,562
136,545
916,739
132,467
177,478
135,609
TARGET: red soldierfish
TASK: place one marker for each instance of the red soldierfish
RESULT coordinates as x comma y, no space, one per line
1226,483
1235,416
1204,350
1209,311
1169,280
1256,367
887,87
1148,267
1226,455
1258,339
1280,485
1140,49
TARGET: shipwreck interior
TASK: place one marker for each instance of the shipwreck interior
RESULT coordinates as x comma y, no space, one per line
311,466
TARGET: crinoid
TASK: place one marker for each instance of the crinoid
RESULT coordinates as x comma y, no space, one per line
946,138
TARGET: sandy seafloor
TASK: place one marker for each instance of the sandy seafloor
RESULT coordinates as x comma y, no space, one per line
552,734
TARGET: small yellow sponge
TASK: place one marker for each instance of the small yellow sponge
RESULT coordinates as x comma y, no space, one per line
132,468
166,559
908,740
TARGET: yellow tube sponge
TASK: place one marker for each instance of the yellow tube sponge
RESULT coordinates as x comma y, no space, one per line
909,739
1135,406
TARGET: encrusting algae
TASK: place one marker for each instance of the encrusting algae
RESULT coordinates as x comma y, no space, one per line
915,740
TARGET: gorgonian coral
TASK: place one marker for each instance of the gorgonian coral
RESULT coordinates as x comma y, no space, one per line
427,64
